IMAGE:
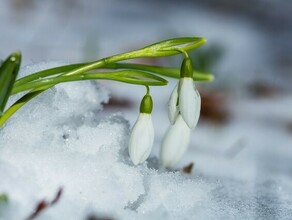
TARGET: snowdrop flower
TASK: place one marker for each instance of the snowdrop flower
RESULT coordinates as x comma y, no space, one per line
185,98
184,108
142,135
175,142
189,102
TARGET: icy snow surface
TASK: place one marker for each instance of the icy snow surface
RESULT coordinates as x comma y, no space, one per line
61,140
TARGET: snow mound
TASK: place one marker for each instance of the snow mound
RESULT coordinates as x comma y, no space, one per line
58,140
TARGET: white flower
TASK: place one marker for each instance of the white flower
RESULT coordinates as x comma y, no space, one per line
185,100
175,142
141,139
189,101
172,105
184,108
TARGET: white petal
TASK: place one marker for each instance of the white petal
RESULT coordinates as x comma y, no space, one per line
141,139
172,105
189,102
175,143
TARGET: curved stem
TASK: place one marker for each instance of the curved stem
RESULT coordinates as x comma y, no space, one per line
147,90
163,48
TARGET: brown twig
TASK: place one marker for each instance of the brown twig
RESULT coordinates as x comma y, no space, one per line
43,204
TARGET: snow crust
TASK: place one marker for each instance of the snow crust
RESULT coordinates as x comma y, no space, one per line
62,139
59,140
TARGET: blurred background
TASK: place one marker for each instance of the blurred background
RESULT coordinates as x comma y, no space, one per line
244,137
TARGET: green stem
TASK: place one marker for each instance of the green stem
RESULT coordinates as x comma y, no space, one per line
147,90
104,61
78,68
163,48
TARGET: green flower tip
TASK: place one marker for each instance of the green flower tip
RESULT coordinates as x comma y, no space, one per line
146,105
186,68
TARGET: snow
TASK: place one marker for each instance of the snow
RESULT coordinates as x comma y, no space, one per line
62,140
59,140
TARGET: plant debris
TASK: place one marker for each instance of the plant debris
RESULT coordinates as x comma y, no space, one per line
214,107
188,169
263,90
43,204
115,102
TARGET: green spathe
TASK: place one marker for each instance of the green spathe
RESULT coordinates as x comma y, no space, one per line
173,46
186,68
146,104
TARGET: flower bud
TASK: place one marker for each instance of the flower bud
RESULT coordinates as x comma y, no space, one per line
142,134
186,68
175,143
189,102
146,105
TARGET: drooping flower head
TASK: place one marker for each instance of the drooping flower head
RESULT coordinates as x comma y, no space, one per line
175,143
142,134
185,98
184,108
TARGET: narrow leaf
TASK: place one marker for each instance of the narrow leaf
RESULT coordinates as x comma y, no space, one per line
164,71
127,76
48,72
139,77
18,104
8,72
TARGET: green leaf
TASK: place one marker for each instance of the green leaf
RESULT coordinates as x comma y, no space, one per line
127,76
163,48
40,81
164,71
39,86
18,104
48,72
138,77
8,73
